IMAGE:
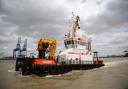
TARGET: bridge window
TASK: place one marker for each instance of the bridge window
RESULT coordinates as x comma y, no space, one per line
72,41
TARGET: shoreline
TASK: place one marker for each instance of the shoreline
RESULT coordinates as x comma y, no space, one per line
10,58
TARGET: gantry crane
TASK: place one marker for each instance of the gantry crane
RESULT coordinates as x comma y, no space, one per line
18,52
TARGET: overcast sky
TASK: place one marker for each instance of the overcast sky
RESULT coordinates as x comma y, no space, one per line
106,21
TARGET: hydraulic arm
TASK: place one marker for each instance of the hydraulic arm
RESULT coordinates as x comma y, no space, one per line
46,45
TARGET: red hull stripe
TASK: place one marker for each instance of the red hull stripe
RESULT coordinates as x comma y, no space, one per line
44,61
74,53
72,39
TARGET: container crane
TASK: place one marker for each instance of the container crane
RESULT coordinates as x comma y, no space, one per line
24,49
17,50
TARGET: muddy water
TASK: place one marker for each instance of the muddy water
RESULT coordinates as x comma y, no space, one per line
114,75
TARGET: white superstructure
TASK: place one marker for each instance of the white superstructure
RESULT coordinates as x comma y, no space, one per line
77,49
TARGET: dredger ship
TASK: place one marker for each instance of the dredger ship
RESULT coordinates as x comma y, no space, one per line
77,55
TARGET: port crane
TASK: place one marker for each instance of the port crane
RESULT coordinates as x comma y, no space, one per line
18,52
24,49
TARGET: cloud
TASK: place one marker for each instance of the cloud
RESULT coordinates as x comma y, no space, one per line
31,19
105,20
113,16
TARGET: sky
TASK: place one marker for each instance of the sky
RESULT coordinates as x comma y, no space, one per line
105,21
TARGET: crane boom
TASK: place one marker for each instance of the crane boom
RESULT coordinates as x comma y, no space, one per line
76,24
43,45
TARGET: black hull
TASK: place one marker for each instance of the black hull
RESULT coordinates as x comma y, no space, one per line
27,66
61,69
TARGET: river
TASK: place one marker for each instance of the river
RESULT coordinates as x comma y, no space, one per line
114,75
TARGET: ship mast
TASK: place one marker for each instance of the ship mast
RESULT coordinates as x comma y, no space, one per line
70,40
75,25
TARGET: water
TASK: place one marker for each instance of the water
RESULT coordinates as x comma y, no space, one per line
114,75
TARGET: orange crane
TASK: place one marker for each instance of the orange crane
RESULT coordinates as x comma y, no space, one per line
46,46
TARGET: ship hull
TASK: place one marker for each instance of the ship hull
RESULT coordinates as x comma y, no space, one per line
28,66
61,69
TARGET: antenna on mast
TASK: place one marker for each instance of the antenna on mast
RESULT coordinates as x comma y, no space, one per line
73,17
